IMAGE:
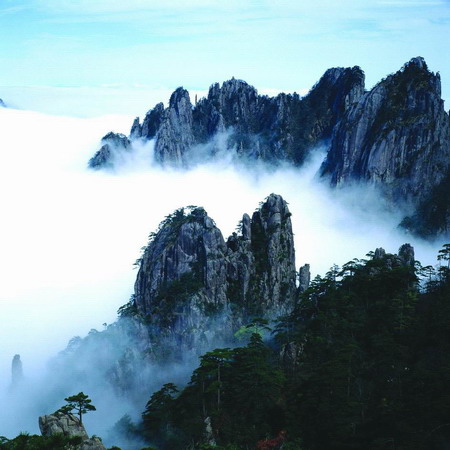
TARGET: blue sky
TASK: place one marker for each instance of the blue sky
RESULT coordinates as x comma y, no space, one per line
272,44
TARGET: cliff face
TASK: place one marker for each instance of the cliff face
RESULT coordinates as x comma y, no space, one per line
397,136
282,128
190,278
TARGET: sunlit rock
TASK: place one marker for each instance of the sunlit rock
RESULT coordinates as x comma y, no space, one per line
68,425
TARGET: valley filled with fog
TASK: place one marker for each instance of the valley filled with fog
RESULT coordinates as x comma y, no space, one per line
70,235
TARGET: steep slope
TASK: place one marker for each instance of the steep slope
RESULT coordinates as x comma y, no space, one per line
396,137
190,277
281,128
193,292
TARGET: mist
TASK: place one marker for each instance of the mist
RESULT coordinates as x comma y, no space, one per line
69,238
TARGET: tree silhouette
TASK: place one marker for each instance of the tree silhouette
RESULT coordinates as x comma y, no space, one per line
80,402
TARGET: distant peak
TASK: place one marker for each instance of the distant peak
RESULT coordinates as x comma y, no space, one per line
178,95
418,62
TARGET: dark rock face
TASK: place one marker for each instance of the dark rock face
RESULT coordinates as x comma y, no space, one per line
2,104
190,278
397,137
282,128
261,269
112,144
68,425
304,278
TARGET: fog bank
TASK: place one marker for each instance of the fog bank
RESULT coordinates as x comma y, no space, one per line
69,236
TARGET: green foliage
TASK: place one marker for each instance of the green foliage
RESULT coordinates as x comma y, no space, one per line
258,325
80,402
129,309
238,389
157,419
368,366
26,441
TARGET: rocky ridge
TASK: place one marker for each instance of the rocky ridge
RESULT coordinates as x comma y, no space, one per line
281,128
2,104
396,136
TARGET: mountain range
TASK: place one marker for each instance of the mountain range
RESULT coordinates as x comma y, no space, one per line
395,136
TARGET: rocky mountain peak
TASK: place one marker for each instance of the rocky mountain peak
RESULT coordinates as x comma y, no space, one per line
151,123
179,99
396,137
2,104
114,145
417,61
189,276
406,255
275,129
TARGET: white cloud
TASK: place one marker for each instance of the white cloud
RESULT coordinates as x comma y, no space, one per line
70,236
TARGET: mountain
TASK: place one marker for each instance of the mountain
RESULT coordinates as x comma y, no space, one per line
194,287
395,137
274,129
194,290
2,104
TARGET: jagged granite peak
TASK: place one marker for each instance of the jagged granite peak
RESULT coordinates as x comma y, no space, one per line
396,137
261,269
174,137
281,128
188,250
273,249
113,144
136,129
70,426
189,276
406,255
150,125
304,278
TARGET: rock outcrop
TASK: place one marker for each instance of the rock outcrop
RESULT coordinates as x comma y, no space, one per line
68,425
2,104
405,257
190,278
281,128
304,278
396,137
114,145
16,372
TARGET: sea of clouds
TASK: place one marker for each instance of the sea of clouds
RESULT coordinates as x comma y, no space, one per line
69,235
